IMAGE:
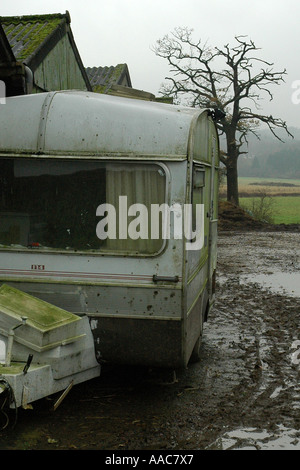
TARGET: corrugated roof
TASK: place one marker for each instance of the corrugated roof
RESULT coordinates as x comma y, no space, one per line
26,34
103,78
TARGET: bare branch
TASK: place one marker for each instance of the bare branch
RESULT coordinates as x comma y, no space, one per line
228,78
271,122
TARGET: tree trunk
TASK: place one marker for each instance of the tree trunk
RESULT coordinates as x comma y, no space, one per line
232,183
232,172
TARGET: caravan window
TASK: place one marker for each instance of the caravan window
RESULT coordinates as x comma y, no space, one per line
53,204
197,191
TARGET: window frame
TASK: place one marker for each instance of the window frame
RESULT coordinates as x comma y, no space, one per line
95,252
197,168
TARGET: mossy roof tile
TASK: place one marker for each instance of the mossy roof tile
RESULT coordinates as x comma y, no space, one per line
102,78
26,34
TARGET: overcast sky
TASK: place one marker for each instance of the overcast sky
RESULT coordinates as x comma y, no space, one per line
109,32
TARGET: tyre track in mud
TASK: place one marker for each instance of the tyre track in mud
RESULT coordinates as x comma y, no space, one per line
270,324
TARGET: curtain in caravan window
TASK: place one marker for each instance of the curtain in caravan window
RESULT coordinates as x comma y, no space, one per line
136,184
52,204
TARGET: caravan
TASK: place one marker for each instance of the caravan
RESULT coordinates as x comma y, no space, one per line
82,176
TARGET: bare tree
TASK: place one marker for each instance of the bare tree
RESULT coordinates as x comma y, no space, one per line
231,79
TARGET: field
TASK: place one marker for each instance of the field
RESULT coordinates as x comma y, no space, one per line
283,197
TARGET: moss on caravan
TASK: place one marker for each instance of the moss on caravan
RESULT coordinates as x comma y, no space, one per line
77,165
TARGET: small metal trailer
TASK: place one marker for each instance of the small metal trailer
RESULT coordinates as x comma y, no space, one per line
43,350
82,177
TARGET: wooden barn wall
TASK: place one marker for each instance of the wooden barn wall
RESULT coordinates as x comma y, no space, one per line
59,70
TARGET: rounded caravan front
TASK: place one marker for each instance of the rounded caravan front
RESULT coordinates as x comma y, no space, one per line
99,216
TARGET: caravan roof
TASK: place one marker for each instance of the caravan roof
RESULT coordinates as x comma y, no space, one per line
89,124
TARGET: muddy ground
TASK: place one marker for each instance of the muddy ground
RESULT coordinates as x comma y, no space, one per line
243,394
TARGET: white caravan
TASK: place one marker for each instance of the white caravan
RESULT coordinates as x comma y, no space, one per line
67,161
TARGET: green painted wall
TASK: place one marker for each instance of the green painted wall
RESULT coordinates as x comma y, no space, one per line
59,70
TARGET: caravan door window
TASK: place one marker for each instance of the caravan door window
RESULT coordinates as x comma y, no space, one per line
197,191
51,204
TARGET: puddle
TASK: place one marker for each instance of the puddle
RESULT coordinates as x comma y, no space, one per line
280,282
276,392
254,439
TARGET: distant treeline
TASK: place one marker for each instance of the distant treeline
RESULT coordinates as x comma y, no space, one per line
268,157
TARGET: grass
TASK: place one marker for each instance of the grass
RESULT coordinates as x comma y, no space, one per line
284,195
249,180
285,209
